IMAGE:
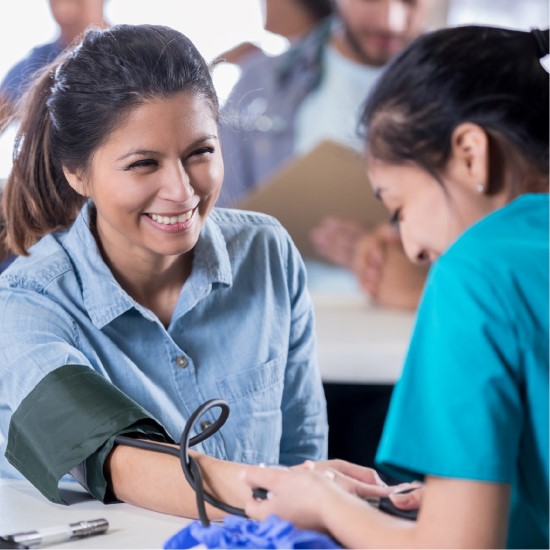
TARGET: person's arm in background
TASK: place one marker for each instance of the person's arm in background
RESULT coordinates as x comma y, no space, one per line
376,257
238,55
384,271
336,240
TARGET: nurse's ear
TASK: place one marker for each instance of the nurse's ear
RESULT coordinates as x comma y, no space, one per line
469,160
76,181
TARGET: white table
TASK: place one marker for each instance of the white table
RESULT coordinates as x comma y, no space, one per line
23,508
359,342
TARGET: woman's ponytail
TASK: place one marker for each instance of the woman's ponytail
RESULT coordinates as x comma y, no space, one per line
37,198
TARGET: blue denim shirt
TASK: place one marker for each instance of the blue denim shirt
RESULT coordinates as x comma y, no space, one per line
242,331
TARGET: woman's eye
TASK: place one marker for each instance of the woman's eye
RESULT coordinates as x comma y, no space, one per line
203,151
395,217
145,163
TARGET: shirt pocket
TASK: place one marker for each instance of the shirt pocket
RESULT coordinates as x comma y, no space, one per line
253,431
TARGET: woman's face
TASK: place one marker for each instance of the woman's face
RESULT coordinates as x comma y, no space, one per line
156,178
431,215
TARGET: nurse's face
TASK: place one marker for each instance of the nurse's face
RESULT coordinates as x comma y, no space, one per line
155,179
431,215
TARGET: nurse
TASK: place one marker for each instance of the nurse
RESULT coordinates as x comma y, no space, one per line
457,149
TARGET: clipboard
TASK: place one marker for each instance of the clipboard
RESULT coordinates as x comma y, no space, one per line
329,180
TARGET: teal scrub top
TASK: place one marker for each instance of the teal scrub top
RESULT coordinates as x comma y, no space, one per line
472,402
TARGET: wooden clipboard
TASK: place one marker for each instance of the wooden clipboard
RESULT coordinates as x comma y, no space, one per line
330,180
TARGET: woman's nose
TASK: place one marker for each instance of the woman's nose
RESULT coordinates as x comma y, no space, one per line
177,184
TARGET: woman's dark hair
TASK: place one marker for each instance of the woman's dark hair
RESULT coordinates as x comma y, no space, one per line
488,76
318,8
73,107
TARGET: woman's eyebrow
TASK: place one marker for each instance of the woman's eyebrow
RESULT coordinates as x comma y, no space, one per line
140,152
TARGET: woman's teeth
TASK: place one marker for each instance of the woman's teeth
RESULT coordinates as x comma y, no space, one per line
171,220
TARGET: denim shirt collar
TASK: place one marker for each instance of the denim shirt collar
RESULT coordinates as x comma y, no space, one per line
105,299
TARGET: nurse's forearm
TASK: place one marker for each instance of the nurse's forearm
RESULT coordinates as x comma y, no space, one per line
156,481
454,514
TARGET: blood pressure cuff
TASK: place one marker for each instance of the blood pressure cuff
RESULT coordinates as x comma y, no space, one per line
68,423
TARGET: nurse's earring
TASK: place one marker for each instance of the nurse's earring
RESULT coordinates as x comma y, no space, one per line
480,188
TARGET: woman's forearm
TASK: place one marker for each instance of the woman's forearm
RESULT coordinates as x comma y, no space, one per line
156,481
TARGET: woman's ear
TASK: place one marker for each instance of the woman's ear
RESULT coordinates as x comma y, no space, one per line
76,181
469,162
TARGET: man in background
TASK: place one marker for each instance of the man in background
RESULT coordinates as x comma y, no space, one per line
283,106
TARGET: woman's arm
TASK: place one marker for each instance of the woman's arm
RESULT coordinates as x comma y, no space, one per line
454,513
156,481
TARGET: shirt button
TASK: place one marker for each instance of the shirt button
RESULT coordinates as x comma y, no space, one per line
205,424
182,361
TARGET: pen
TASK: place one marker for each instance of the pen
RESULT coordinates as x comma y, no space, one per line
51,535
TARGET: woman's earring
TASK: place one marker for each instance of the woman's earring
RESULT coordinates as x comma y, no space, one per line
480,188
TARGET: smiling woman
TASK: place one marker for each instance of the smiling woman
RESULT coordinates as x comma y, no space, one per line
134,299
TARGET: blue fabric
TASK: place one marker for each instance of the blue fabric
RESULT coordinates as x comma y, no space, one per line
17,80
242,331
472,402
7,262
238,532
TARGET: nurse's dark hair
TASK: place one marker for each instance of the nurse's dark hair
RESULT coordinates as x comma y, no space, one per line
72,108
488,76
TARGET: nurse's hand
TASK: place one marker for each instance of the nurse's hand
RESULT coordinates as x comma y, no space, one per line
354,479
303,497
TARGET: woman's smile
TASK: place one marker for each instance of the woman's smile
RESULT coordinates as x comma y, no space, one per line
172,223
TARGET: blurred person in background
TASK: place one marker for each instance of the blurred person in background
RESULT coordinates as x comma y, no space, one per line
274,114
291,19
72,18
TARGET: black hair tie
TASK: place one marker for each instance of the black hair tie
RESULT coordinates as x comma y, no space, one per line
541,38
